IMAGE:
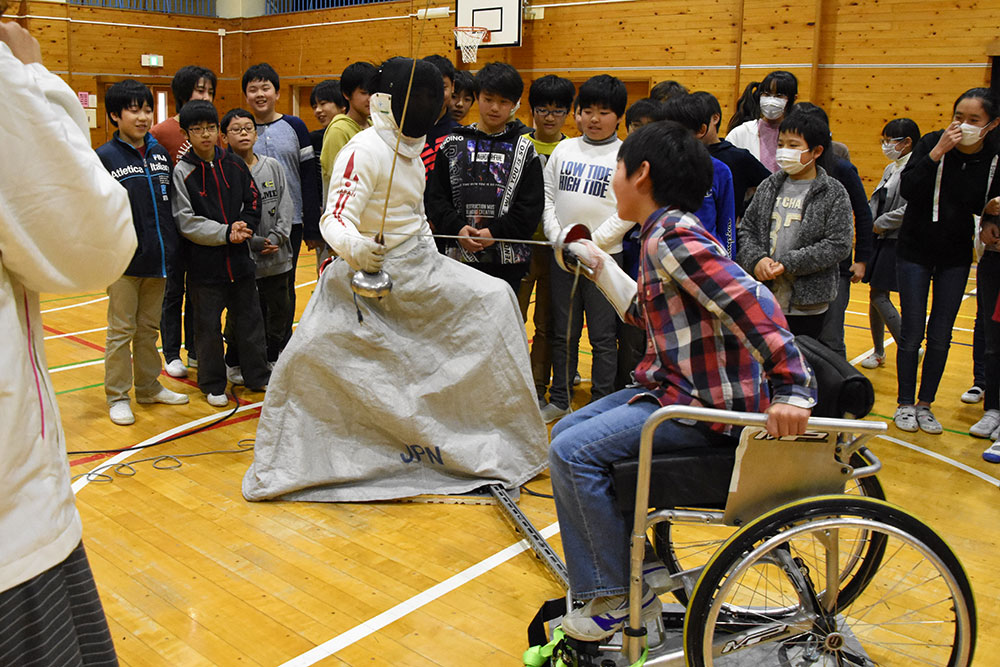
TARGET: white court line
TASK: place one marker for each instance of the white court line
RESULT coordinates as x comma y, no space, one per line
941,457
118,458
74,305
74,333
372,625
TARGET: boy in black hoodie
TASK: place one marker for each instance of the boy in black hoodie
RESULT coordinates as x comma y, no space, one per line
217,209
142,167
487,181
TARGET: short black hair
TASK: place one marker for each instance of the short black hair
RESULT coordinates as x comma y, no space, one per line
198,111
232,115
444,66
356,75
465,83
901,128
184,81
647,107
603,90
551,89
327,91
664,90
782,83
690,111
261,72
712,103
500,79
680,167
124,94
810,123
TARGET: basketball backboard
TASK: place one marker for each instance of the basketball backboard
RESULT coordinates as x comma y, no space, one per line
501,17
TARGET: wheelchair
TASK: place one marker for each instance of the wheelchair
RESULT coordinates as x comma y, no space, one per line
780,552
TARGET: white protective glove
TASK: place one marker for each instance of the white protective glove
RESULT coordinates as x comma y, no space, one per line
361,253
614,283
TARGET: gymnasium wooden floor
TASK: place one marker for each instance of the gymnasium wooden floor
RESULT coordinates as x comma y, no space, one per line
191,574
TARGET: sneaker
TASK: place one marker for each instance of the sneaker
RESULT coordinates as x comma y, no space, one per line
177,369
602,617
542,403
873,360
577,379
234,374
985,427
992,453
164,396
553,413
192,362
906,418
927,422
217,400
973,395
121,413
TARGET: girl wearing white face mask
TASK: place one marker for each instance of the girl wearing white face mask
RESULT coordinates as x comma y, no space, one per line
799,226
887,205
946,182
772,101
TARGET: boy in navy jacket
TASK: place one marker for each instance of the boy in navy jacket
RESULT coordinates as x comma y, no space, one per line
217,209
142,167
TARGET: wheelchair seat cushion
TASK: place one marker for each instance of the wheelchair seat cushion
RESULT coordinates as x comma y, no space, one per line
685,478
842,389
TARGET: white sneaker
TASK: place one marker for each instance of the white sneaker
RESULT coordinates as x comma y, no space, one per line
906,419
121,413
577,379
984,427
177,369
873,360
553,413
164,396
603,616
234,374
217,400
973,395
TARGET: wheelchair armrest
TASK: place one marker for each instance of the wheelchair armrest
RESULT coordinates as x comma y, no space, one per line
687,478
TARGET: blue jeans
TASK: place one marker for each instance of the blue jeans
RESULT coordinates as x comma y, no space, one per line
914,287
595,535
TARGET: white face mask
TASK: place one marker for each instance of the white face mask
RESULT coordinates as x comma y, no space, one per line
772,107
790,160
890,151
970,134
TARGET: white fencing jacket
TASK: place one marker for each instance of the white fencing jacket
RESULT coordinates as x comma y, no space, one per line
65,226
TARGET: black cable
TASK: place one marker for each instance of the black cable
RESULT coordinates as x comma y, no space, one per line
536,493
177,436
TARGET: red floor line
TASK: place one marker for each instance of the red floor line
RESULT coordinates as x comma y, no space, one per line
75,339
253,414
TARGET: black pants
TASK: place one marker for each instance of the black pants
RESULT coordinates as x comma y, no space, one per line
276,311
509,273
170,316
242,304
56,618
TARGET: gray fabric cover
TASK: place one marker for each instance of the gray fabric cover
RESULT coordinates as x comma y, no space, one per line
431,394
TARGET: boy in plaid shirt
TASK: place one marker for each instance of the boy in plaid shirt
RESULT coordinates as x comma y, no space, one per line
707,323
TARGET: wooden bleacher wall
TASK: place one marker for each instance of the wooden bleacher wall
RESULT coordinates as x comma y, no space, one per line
865,61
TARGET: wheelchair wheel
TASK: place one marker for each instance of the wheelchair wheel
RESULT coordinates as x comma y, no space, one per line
761,599
684,546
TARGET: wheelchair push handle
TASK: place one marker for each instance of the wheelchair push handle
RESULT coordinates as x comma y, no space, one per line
734,418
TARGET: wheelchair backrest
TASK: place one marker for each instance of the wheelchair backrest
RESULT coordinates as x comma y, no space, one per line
769,473
842,389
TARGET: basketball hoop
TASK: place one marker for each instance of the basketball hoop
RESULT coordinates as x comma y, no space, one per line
469,39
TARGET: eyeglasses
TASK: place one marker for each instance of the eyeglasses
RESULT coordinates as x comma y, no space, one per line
204,130
246,129
555,113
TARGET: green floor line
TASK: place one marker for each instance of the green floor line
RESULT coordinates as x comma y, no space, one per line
69,391
890,419
75,296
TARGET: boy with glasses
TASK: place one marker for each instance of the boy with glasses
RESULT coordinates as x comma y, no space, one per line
216,207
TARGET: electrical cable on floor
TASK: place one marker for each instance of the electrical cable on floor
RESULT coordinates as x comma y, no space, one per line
536,493
161,462
176,436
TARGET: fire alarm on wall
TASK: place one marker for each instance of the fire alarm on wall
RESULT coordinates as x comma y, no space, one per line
151,60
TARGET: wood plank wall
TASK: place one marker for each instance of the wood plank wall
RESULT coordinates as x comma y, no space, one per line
865,61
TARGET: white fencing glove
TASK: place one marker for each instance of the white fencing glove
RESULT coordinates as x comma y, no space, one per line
614,283
361,252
